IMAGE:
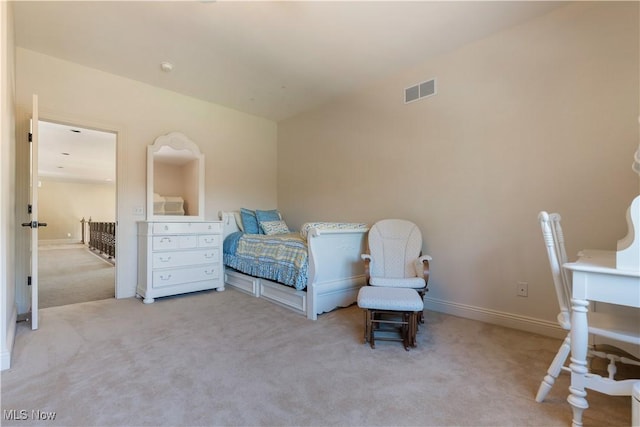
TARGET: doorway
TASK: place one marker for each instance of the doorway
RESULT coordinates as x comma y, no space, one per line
77,200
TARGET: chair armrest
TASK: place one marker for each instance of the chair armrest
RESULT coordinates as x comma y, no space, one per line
367,266
422,267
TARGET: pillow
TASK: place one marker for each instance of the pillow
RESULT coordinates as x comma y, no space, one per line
238,217
263,216
249,221
274,227
353,226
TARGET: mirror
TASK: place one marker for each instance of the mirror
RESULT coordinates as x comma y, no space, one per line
175,179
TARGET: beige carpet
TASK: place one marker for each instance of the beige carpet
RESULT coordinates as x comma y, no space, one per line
71,273
226,358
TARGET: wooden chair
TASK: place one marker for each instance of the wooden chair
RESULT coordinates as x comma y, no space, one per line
395,257
622,329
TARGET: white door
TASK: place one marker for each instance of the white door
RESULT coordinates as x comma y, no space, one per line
33,206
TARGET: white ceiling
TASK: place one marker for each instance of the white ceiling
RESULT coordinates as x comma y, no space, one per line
71,153
273,59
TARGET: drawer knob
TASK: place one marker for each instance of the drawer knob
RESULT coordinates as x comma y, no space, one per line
167,259
163,277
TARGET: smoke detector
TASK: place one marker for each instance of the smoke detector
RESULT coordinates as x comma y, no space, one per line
166,66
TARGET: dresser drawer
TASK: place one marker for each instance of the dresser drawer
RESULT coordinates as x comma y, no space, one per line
179,276
209,240
185,258
175,242
186,227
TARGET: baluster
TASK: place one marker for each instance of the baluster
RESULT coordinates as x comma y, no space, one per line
82,221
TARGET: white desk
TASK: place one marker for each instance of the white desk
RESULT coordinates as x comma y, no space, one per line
596,278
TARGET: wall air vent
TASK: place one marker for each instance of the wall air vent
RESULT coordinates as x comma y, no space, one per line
412,94
419,91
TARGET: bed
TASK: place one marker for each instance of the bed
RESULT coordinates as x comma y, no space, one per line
326,274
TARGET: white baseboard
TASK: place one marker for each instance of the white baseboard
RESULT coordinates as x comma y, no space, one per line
5,356
509,320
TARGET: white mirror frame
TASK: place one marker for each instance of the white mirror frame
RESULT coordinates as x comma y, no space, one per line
176,141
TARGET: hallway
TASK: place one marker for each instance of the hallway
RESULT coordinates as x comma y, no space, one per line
71,273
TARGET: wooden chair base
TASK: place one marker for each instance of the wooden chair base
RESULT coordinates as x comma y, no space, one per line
391,325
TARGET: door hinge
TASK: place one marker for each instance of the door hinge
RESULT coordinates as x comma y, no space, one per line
28,280
29,209
30,137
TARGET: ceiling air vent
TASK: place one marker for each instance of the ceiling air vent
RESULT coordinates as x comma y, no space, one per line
421,90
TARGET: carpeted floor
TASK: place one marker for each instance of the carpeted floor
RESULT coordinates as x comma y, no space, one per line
71,273
229,359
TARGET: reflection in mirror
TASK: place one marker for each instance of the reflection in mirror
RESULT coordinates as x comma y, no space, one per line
175,179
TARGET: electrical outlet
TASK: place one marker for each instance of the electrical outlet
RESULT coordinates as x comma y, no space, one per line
522,289
138,210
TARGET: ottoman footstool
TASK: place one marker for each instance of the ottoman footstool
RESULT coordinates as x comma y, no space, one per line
395,307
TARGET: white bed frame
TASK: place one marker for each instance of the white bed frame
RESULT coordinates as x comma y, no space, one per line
335,275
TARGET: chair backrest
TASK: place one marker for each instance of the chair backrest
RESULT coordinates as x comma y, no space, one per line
554,243
394,246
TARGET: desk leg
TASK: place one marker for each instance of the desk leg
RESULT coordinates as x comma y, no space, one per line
579,342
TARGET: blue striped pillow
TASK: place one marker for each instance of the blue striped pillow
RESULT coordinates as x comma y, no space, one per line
265,216
249,221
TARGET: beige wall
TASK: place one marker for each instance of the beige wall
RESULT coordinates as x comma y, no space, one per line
239,149
8,310
543,116
63,204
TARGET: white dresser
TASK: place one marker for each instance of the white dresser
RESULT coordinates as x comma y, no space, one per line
179,257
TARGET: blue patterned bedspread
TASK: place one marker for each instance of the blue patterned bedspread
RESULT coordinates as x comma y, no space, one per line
282,258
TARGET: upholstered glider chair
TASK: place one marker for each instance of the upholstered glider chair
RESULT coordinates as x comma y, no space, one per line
620,328
395,257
